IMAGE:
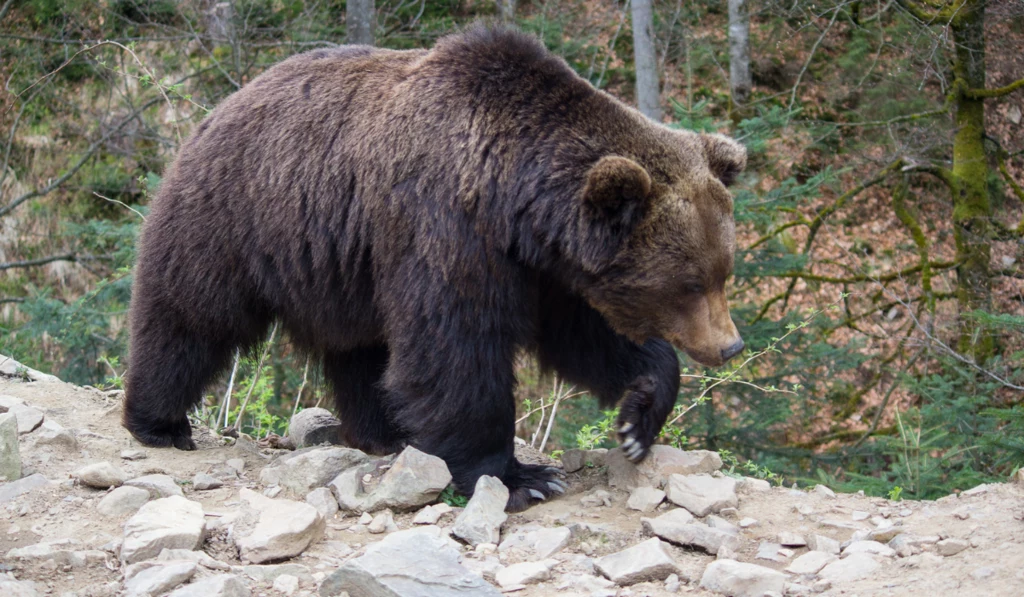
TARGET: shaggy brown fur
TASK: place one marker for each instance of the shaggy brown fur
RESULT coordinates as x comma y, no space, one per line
415,218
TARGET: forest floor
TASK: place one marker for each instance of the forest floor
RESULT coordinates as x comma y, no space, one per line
988,520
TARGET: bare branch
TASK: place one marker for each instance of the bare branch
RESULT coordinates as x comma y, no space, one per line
40,261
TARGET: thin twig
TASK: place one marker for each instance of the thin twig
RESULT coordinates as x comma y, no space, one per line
255,378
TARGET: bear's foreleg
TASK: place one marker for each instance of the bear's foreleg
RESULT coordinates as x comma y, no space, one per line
577,343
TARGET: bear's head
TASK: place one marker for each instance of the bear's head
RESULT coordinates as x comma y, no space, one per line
666,218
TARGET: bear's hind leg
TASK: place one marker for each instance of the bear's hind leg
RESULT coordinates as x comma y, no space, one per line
168,368
355,377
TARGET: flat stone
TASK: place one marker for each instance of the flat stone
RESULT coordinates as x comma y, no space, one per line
717,522
885,534
426,515
645,561
158,486
695,534
823,543
738,579
825,492
645,499
11,368
753,485
418,562
286,584
305,471
383,522
221,585
268,573
62,552
323,500
535,543
10,454
13,489
270,530
52,433
770,552
481,520
853,567
133,454
314,426
15,588
122,501
810,563
525,573
662,462
951,547
166,523
788,539
28,418
702,494
869,547
101,475
204,482
150,579
198,557
574,460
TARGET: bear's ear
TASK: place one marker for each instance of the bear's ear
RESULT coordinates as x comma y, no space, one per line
615,182
726,158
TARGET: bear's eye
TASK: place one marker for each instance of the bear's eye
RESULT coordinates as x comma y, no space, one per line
694,288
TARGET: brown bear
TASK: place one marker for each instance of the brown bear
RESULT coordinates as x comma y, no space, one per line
417,218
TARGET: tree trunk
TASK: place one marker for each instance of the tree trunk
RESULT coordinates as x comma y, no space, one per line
739,53
646,62
362,22
507,11
972,206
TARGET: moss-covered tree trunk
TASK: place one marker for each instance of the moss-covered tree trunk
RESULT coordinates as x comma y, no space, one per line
972,207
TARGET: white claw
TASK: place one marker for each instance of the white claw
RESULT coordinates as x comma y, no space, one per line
556,488
626,428
536,494
629,442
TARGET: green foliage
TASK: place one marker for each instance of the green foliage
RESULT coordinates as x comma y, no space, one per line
749,468
453,498
895,494
598,434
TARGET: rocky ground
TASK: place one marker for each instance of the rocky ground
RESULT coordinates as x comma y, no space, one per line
89,512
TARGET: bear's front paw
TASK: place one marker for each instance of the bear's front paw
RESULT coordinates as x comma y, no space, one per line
531,483
638,424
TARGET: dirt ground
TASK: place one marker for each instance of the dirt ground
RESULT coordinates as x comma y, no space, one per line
990,517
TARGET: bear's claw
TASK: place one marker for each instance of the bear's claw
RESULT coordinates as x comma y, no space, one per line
530,483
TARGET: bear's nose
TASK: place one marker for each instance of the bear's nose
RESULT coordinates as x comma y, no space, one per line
733,350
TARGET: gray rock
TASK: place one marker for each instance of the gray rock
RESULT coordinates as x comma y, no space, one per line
314,426
274,529
643,562
427,515
238,464
825,492
28,418
481,520
9,491
587,584
951,547
222,585
133,454
849,569
286,584
645,499
383,522
305,471
788,539
702,494
885,534
323,500
51,433
412,480
823,543
662,462
597,499
150,579
158,486
693,534
10,455
770,552
270,572
752,485
122,501
811,562
419,562
167,523
11,368
737,579
15,588
198,557
62,552
524,573
574,460
717,522
101,475
535,543
203,482
869,547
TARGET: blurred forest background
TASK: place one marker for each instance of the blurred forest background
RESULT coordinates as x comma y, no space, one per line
878,282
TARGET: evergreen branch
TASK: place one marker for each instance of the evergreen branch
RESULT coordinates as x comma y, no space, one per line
997,92
946,105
